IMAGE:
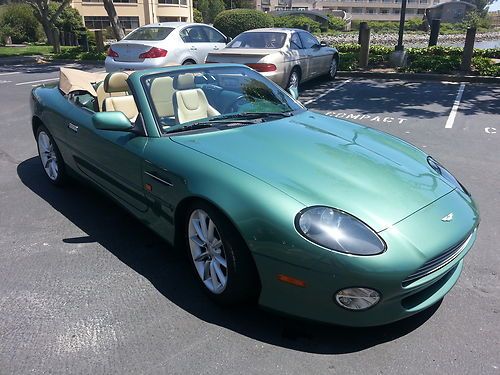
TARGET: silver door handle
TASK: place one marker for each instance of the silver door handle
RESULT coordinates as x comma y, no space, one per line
216,48
193,48
73,127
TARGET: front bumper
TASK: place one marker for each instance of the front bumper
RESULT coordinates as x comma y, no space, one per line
411,243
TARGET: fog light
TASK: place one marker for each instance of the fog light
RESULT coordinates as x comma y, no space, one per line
357,298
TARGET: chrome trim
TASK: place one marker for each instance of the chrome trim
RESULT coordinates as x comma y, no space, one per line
159,179
73,127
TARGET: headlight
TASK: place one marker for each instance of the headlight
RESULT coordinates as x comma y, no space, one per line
357,298
446,174
338,231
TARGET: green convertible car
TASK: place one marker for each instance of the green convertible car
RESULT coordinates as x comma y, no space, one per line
309,215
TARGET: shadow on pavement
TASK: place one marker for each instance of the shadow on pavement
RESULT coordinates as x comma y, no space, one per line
169,272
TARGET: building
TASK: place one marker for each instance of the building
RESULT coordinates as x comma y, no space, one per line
452,11
369,10
494,16
134,13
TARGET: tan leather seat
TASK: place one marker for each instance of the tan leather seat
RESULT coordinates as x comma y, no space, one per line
115,83
102,95
162,92
193,105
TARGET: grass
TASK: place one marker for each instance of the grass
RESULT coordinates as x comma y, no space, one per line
28,50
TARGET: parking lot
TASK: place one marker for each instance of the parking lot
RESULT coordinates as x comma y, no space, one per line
85,288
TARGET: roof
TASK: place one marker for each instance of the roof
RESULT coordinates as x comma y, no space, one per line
274,29
171,24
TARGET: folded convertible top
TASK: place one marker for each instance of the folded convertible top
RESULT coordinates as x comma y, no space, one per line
77,80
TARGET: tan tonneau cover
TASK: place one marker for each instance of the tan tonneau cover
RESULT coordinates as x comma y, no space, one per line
77,80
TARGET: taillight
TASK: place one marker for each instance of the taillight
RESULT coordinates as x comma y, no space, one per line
153,53
112,53
260,67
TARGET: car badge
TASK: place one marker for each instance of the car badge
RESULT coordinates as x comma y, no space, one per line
448,217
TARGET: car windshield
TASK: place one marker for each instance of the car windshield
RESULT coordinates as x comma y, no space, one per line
266,40
149,33
206,96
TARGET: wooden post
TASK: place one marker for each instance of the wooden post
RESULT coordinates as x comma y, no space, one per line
362,26
99,41
364,52
433,38
57,42
468,49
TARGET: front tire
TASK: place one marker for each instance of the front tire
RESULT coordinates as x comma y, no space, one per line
334,66
294,79
50,157
221,261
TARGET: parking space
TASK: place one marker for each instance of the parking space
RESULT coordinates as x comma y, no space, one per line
85,288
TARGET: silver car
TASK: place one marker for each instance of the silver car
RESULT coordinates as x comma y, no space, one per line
285,56
162,44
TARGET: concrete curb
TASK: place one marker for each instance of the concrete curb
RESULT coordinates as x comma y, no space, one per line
420,77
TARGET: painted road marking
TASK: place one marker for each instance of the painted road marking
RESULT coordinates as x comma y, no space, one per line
490,130
327,92
351,116
3,81
454,109
39,81
9,73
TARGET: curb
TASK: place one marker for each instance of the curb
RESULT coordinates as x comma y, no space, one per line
420,77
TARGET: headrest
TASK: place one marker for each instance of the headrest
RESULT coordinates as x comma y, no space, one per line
185,81
116,82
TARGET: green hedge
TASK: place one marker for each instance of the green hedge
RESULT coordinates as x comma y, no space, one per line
297,22
236,21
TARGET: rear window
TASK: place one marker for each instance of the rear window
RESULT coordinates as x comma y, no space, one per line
258,40
149,33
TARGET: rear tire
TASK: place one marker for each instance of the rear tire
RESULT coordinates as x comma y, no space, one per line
221,260
50,157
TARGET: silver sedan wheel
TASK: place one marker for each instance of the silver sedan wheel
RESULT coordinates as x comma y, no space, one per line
294,80
48,156
333,68
207,251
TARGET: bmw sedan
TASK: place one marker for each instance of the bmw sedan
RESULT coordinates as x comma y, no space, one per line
163,44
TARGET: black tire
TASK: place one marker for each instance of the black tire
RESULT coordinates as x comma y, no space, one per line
242,285
334,67
295,72
60,178
189,62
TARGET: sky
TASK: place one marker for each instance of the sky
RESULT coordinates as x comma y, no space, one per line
495,5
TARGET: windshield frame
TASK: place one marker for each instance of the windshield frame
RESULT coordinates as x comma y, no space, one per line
182,70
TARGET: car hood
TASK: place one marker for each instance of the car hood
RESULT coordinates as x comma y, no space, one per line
319,160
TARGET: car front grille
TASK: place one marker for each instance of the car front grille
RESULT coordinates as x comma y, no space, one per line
438,262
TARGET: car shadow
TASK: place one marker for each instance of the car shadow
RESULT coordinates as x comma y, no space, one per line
168,270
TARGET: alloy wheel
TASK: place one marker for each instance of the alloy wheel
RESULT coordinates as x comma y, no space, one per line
294,80
48,155
333,68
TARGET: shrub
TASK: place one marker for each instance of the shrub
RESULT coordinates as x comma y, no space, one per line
197,16
297,22
236,21
20,24
485,67
336,23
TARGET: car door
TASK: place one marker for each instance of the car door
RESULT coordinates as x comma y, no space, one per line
314,53
111,159
298,56
216,39
196,40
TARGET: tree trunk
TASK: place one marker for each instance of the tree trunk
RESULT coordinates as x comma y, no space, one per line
113,19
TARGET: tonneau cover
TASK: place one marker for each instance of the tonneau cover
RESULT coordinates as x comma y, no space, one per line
77,80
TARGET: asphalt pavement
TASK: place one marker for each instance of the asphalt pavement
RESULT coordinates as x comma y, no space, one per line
85,288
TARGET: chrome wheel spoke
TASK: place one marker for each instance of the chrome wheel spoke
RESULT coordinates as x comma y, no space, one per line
220,260
197,240
202,257
220,275
199,231
48,156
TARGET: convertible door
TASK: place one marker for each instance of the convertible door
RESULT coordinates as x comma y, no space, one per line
112,159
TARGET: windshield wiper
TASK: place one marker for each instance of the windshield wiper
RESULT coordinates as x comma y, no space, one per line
192,126
251,115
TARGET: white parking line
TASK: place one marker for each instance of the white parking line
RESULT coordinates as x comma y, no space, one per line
39,81
327,92
454,109
9,73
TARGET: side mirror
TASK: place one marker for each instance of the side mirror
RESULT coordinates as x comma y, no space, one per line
112,121
294,92
323,44
228,39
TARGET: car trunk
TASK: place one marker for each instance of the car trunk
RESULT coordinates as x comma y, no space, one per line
129,51
239,55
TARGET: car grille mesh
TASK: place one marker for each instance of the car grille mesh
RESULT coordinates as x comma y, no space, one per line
438,262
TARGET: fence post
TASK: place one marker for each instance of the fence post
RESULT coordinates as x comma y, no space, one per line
57,42
362,26
365,47
468,49
435,25
99,41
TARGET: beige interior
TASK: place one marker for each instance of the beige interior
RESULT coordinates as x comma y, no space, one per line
162,92
193,105
117,83
102,95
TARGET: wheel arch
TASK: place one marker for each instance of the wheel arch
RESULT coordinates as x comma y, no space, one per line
36,122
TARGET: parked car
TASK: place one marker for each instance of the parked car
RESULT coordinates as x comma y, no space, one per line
285,56
313,216
163,44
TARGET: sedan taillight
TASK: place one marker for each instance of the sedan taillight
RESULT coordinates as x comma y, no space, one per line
153,53
261,67
112,53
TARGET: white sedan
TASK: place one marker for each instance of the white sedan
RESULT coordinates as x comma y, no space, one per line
163,44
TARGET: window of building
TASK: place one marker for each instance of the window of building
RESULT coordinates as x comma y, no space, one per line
114,1
357,10
411,11
168,19
102,22
384,11
175,2
371,11
424,1
420,11
266,2
396,11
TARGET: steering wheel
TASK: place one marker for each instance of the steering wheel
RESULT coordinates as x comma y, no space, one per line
233,106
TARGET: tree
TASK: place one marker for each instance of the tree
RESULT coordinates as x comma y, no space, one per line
215,7
46,17
19,23
239,4
197,16
113,19
482,5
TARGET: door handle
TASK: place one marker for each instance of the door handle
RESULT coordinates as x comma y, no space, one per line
216,48
193,48
73,127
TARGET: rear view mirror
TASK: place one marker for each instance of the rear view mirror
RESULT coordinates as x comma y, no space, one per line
323,44
111,121
294,92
